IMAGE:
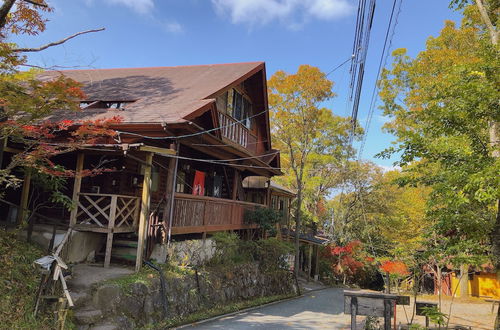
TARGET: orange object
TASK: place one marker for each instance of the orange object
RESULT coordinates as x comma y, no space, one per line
199,183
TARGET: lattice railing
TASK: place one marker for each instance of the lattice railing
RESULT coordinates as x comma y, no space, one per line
107,210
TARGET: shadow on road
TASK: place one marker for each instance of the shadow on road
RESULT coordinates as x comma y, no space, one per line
315,310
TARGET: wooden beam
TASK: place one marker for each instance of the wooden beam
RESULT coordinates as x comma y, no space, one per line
316,266
309,261
157,150
76,188
236,177
170,193
111,227
209,228
23,207
3,144
143,218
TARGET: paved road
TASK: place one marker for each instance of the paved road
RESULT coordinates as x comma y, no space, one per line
316,310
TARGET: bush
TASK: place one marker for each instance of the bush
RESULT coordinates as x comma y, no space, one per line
229,249
269,253
266,218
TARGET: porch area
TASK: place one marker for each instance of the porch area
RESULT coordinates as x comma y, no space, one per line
144,195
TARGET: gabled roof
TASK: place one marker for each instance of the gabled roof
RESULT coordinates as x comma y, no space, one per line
307,237
160,94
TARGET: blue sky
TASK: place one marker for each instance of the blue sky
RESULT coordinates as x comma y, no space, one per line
283,33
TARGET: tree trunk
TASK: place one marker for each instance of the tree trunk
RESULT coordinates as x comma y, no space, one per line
464,281
297,231
4,11
440,285
493,134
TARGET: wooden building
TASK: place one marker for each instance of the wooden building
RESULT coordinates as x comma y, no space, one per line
187,139
265,191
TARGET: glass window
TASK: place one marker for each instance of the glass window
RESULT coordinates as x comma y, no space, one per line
237,106
229,103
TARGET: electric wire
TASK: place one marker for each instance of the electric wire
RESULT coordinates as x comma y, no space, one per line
235,122
382,64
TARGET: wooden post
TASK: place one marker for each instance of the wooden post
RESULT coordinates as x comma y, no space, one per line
236,178
309,261
143,218
111,228
354,311
387,314
395,303
3,143
170,189
316,270
268,193
76,188
23,207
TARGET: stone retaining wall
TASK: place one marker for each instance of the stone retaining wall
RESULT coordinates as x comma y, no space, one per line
139,303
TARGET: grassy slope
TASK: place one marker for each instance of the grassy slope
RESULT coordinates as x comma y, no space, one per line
19,281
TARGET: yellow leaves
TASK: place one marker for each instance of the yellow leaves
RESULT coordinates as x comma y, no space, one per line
477,74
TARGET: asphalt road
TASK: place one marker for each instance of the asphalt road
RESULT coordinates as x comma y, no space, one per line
316,310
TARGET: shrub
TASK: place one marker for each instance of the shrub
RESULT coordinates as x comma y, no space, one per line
266,218
229,249
271,253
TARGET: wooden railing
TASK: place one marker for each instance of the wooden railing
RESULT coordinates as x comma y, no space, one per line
196,214
234,131
107,211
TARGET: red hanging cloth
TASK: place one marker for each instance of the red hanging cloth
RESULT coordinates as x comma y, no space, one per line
199,183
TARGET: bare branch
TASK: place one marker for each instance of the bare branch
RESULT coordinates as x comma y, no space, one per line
35,3
55,43
57,67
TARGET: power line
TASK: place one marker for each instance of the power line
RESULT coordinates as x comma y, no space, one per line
382,63
361,42
236,122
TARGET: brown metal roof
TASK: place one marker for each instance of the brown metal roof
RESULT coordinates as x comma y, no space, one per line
161,94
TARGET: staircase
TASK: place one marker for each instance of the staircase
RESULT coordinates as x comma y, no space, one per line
86,315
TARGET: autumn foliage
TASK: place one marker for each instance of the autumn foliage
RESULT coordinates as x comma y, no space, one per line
346,260
47,139
398,268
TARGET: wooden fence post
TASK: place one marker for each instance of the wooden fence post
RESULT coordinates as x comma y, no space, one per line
387,314
354,311
309,261
76,188
111,228
143,218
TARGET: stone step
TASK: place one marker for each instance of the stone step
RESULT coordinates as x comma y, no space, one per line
87,316
105,326
80,298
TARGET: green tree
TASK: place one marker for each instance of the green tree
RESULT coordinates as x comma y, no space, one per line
306,133
442,104
388,218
